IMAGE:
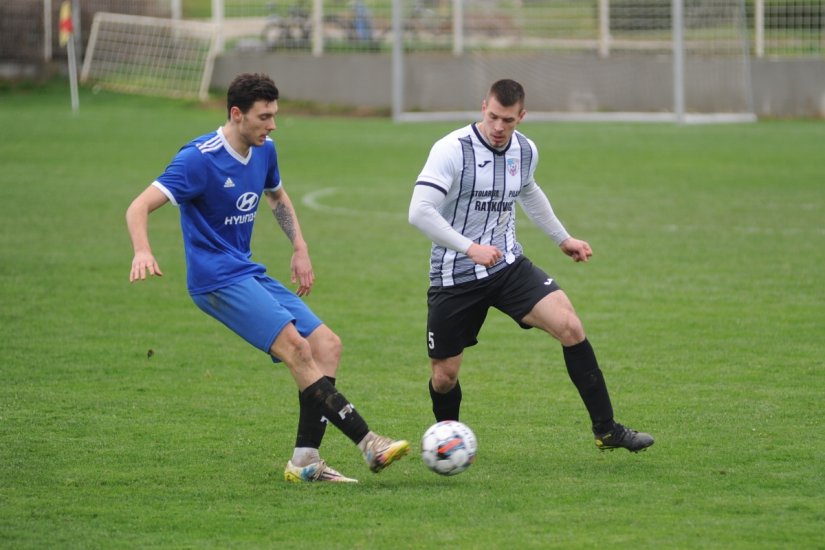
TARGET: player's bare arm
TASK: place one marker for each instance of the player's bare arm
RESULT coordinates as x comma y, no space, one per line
577,249
137,222
300,265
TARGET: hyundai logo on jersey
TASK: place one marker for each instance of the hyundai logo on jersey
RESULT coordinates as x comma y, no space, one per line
247,202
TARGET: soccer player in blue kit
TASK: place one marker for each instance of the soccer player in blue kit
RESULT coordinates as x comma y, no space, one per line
464,202
217,180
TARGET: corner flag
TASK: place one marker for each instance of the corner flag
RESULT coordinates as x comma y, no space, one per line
65,26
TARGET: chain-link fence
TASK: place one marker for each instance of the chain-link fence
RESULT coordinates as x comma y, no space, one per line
777,28
787,28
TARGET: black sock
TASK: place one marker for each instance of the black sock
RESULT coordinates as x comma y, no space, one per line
311,424
587,377
446,405
327,401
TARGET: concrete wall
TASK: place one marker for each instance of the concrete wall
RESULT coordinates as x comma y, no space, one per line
782,88
789,88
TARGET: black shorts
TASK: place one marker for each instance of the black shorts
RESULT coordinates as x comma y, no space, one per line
456,313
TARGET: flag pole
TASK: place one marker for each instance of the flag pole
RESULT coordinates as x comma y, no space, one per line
73,75
67,39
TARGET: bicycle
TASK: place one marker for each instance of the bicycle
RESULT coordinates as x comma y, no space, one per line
294,31
291,31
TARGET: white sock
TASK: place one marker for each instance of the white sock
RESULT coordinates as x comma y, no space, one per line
304,456
363,443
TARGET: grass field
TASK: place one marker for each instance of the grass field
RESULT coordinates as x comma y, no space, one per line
704,302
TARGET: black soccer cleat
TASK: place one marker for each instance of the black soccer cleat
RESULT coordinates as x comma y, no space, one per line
623,438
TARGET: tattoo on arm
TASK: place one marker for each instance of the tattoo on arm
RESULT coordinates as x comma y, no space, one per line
286,220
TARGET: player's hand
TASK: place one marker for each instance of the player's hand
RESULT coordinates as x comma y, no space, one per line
484,254
577,249
141,263
302,272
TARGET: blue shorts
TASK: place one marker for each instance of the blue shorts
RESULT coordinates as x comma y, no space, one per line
257,309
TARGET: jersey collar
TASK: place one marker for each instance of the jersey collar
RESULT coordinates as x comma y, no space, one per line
232,152
483,140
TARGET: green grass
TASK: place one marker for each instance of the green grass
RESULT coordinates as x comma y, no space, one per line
704,302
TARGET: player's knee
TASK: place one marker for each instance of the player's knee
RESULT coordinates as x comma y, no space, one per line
330,349
445,376
571,332
326,349
443,384
291,348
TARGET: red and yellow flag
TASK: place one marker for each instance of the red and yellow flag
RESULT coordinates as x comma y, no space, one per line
65,26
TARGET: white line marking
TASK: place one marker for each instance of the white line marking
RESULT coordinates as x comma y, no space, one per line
312,200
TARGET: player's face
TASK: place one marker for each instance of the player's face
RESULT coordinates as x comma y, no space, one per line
258,122
499,122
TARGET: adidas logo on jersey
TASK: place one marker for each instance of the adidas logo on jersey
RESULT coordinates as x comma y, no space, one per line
228,183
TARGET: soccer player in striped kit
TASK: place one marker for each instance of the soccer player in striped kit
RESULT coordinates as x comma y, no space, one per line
464,201
217,181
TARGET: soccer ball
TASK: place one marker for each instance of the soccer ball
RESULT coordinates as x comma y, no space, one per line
448,448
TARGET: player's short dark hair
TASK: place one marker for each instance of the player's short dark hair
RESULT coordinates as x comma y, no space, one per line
507,92
247,88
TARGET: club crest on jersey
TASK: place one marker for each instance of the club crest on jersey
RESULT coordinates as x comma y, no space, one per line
512,166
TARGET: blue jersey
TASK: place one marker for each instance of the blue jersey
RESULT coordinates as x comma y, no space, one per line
218,192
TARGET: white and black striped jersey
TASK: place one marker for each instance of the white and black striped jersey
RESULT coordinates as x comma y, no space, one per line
481,185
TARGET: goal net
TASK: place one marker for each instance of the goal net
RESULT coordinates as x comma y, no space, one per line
590,60
150,55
